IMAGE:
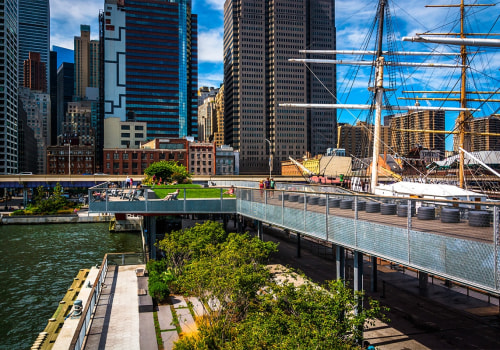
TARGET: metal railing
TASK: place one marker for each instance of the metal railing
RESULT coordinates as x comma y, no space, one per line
86,318
455,240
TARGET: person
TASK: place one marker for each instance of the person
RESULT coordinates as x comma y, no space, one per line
230,191
267,184
171,196
261,186
272,185
127,182
131,182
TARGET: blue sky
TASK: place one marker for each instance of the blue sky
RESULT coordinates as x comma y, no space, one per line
353,20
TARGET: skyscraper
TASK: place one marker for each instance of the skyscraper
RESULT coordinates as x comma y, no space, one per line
150,65
35,73
258,41
34,33
86,62
8,88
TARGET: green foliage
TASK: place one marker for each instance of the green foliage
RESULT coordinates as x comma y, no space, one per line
253,310
46,203
182,246
159,279
167,171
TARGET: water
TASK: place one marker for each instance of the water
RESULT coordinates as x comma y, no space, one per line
38,264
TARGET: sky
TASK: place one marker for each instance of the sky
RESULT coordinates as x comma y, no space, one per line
353,20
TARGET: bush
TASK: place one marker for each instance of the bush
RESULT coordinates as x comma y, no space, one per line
160,279
18,212
158,289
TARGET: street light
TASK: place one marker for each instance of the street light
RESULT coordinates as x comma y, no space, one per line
69,157
270,158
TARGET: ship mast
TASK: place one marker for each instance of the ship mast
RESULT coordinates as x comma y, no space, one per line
464,117
379,93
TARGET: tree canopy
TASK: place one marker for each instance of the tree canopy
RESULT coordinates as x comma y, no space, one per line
247,306
167,171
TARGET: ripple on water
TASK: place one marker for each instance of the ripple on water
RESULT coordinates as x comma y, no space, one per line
39,263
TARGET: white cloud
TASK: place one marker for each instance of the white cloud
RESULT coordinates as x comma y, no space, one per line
66,18
215,4
210,45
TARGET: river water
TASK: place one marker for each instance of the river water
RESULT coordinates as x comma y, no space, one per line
38,264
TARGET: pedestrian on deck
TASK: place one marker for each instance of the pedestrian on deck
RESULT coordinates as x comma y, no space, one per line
131,182
267,184
261,186
272,185
127,182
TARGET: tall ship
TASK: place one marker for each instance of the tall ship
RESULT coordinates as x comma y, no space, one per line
402,150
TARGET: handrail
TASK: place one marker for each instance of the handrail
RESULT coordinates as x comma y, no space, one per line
85,319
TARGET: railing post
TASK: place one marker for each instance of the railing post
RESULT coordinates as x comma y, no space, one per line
221,196
326,217
265,204
496,222
305,210
409,226
283,208
107,198
355,221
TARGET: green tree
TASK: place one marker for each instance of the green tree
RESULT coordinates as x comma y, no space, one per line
168,171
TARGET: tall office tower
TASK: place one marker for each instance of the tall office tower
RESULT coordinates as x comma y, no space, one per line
404,141
258,41
65,88
8,88
35,73
37,107
34,33
357,140
86,62
53,96
151,65
28,152
207,119
219,107
484,142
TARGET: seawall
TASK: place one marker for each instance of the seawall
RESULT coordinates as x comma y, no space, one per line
53,219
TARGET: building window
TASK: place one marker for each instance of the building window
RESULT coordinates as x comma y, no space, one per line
144,156
125,155
125,134
134,155
139,127
139,135
116,156
125,127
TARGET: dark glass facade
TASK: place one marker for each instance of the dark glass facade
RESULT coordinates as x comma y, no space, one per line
162,66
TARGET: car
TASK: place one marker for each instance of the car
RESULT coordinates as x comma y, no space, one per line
100,174
25,173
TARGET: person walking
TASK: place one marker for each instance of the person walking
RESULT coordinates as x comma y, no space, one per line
127,182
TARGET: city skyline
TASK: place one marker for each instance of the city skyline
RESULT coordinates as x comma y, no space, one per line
352,21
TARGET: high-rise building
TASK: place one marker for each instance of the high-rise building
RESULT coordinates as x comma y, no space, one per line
150,65
8,87
34,33
207,119
357,140
259,40
480,128
53,96
63,55
35,73
402,142
28,153
86,62
219,107
37,106
65,88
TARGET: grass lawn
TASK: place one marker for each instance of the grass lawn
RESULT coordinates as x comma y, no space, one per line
192,191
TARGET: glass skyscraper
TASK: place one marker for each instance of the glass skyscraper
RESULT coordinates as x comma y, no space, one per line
151,65
8,88
34,33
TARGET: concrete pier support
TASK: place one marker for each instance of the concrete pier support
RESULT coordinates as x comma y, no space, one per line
358,271
358,286
150,235
373,280
224,221
260,231
298,245
340,260
423,279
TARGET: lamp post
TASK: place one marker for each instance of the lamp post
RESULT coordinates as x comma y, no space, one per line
270,158
69,157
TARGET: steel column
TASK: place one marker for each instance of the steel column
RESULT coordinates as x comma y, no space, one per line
374,277
298,245
340,263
